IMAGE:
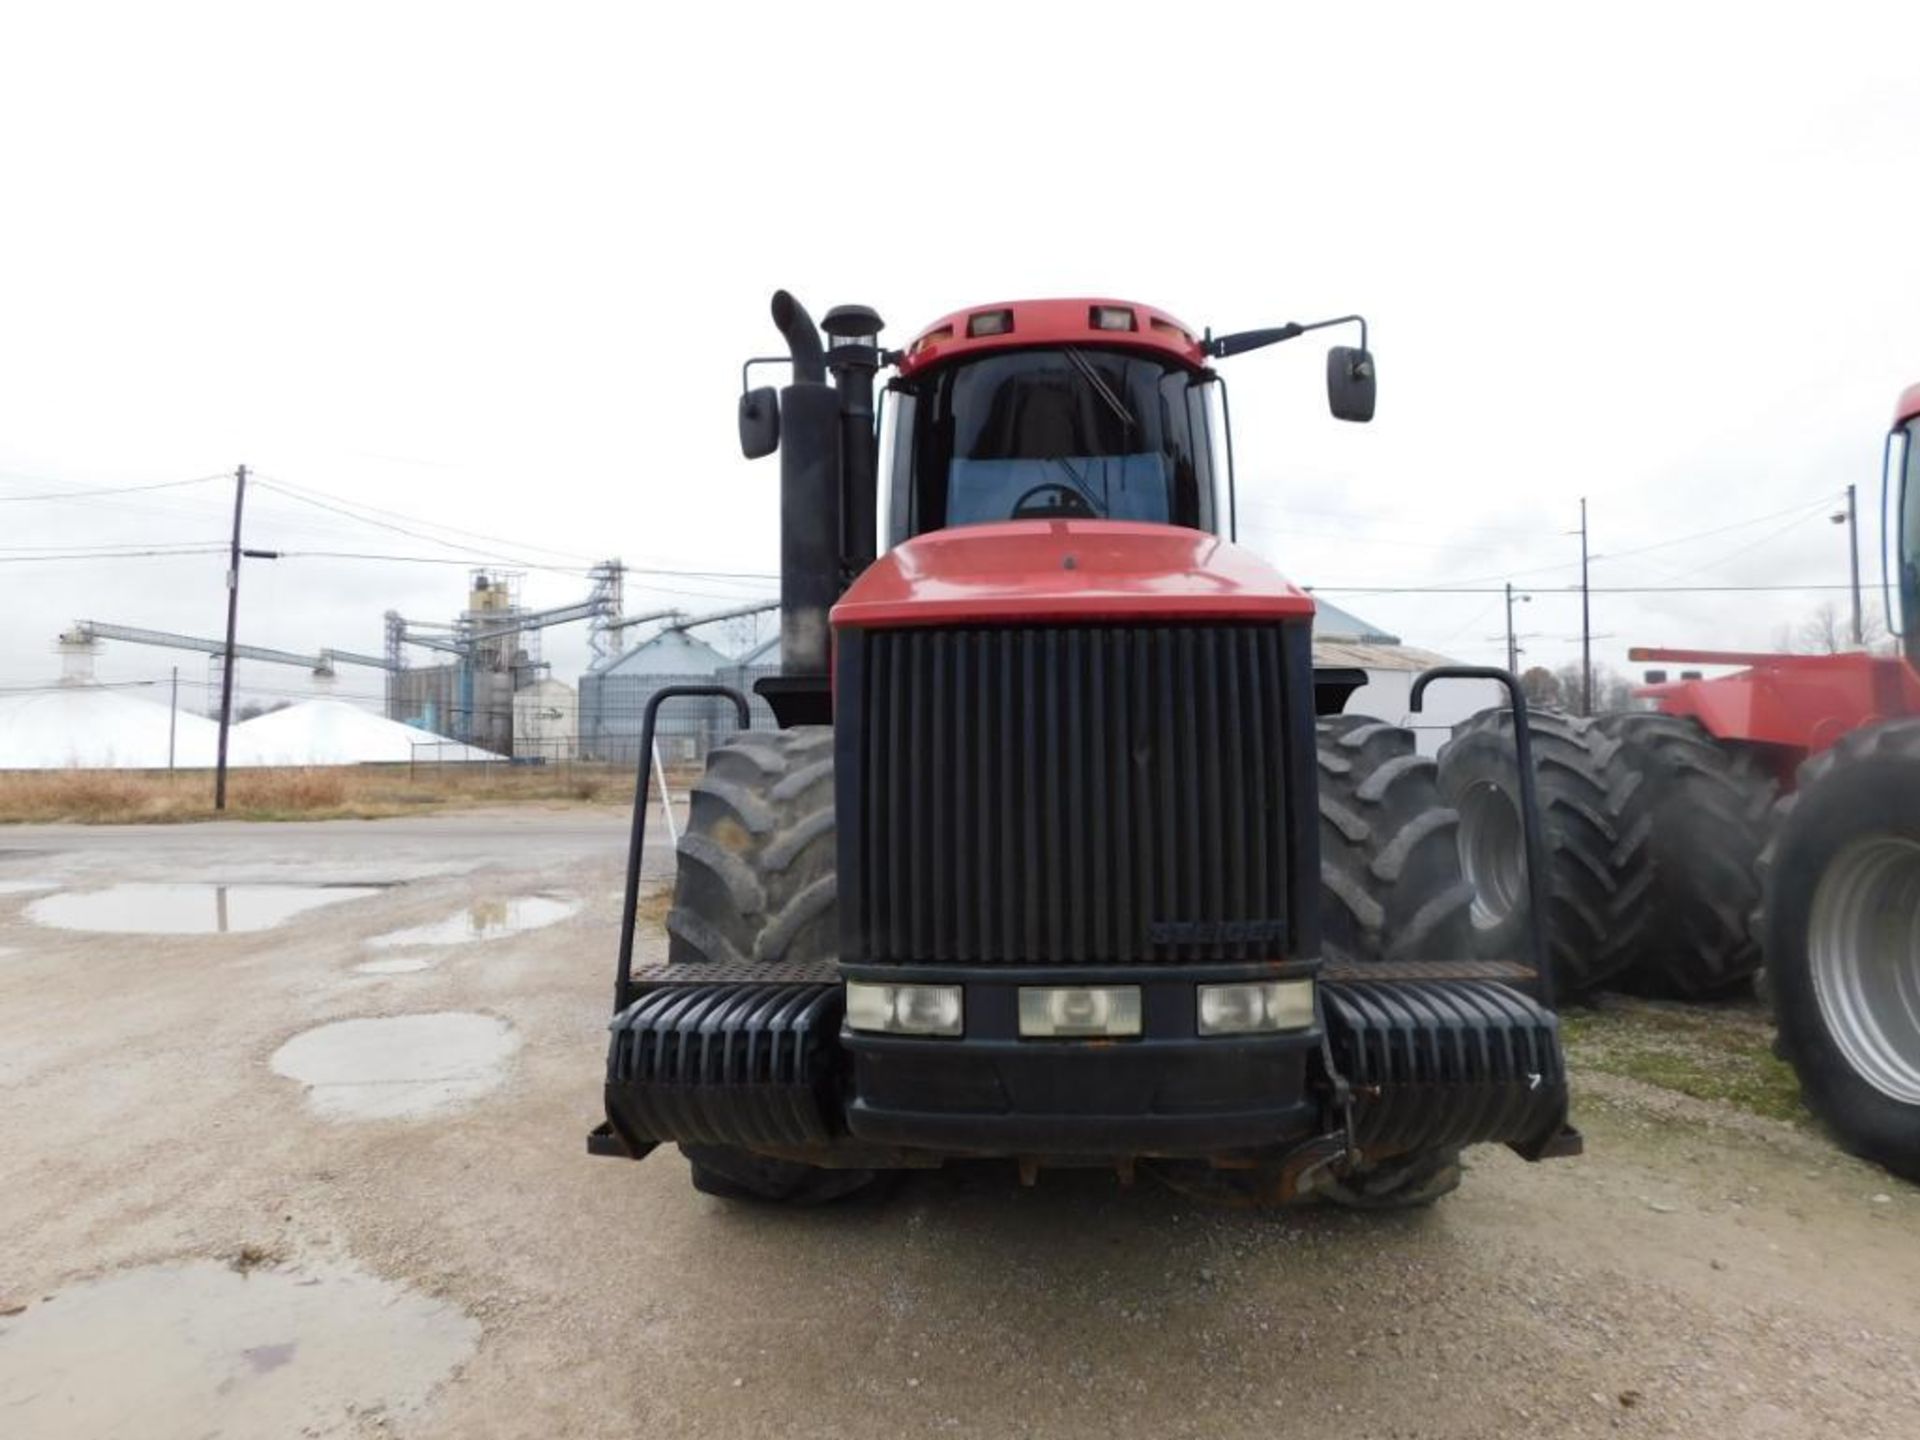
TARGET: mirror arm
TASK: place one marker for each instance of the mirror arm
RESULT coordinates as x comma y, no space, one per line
746,368
1245,340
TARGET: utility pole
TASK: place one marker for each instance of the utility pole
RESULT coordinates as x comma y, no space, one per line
1513,648
1852,519
1586,620
233,621
173,716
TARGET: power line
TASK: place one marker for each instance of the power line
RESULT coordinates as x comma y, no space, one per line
1801,511
173,554
452,560
105,546
488,555
366,514
436,524
1260,503
108,490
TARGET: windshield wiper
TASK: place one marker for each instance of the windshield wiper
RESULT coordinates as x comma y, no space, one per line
1101,388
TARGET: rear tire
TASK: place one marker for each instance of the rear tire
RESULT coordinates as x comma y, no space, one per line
1390,881
1391,890
1842,937
1707,808
755,884
1597,872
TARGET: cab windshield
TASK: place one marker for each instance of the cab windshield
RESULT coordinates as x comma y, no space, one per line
1070,433
1907,477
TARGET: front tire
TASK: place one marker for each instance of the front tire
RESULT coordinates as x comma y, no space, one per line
755,885
1842,938
1390,891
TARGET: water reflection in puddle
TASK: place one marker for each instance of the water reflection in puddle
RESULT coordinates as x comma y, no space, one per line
186,908
198,1348
400,1066
483,920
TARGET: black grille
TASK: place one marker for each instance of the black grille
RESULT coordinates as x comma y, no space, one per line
1091,794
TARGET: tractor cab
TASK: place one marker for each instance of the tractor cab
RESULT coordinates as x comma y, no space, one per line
1902,515
1053,410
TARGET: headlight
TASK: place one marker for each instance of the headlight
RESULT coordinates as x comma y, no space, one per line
1079,1011
904,1009
1256,1008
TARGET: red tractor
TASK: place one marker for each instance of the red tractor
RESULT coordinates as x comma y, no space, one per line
1773,813
1061,851
1839,735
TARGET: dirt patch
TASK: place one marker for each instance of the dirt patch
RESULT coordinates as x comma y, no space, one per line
1722,1053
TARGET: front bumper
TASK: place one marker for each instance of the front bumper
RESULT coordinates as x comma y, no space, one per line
1167,1091
1391,1065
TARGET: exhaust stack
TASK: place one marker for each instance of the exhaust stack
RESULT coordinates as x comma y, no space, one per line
810,486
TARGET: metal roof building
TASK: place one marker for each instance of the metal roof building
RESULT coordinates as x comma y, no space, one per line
613,700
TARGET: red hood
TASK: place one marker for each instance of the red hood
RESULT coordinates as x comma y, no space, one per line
1067,570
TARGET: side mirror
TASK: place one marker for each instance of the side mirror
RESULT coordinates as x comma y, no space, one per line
1350,383
759,422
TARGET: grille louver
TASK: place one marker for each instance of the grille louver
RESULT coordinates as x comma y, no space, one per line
1090,794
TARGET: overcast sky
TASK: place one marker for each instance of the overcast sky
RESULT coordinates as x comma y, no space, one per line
496,267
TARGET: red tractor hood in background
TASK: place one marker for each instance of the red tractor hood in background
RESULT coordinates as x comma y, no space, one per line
1067,570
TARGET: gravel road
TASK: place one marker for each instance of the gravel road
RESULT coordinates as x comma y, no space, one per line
396,1231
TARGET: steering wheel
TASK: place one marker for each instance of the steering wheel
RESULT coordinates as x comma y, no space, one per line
1068,503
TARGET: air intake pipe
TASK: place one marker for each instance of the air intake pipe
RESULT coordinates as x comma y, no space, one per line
810,486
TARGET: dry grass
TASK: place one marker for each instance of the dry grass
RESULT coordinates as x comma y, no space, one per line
108,797
654,905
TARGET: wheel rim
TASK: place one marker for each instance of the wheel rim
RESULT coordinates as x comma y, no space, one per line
1863,947
1491,841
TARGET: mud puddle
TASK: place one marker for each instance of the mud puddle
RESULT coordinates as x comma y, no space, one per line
399,1066
198,1348
484,920
186,907
398,965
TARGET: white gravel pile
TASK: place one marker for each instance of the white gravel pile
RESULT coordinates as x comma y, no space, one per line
94,727
333,732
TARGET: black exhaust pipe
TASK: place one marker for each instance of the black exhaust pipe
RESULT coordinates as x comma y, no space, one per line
803,339
810,484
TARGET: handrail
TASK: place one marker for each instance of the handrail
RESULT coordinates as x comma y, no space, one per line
1530,823
637,838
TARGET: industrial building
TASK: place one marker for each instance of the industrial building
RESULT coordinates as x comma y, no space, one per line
613,700
492,692
1342,640
546,721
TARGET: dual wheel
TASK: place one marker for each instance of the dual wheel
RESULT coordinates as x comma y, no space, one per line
756,875
1674,869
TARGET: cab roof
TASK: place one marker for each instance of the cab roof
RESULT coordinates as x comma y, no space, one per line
1012,324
